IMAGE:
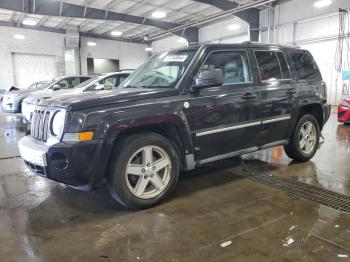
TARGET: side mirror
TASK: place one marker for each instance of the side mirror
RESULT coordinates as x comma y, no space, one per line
56,87
99,87
209,78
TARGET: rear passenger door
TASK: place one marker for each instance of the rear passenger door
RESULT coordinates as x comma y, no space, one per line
278,92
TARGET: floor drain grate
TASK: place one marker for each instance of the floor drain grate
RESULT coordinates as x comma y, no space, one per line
314,193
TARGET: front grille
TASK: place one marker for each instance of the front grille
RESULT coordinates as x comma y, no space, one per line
40,125
341,114
37,169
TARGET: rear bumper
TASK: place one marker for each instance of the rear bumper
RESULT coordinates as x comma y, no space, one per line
326,113
343,114
73,165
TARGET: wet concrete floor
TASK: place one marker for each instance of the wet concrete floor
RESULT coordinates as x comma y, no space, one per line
214,215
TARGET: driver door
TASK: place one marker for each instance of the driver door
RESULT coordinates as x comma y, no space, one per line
225,120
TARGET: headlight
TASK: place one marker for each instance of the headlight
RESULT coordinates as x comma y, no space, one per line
345,104
57,123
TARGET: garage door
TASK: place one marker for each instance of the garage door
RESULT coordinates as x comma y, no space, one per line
29,68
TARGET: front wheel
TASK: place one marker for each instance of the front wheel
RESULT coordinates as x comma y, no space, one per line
305,139
144,170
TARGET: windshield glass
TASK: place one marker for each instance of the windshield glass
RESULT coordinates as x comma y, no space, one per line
161,71
49,83
88,82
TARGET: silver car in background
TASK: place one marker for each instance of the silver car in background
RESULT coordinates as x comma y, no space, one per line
11,100
107,81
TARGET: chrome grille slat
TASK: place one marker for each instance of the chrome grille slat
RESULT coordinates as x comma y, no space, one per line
40,125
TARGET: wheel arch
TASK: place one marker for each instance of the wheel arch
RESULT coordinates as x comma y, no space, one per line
174,129
315,110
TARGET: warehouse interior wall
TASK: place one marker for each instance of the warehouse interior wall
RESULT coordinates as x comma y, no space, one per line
36,42
130,55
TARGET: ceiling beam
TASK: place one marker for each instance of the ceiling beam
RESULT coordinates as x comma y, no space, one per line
62,31
53,8
251,16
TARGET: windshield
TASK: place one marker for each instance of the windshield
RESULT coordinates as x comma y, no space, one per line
88,82
161,71
49,83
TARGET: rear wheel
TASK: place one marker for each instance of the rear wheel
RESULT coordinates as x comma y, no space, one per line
144,170
304,140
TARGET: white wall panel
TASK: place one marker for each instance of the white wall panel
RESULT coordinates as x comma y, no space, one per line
28,68
219,31
36,42
130,55
167,44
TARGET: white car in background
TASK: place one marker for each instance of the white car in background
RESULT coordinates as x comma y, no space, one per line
11,100
107,81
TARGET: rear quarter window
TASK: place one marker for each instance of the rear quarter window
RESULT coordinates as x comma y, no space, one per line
305,66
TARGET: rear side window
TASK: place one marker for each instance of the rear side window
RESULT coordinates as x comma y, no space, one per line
305,66
284,65
272,65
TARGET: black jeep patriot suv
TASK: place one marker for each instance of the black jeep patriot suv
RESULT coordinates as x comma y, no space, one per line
179,110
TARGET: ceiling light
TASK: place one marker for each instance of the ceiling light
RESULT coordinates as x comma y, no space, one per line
158,14
19,37
182,40
29,22
91,43
148,49
234,27
116,33
322,3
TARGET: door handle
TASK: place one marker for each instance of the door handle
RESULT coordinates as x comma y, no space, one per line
291,91
248,96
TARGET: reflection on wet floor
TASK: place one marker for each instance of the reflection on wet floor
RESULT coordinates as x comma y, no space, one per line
215,215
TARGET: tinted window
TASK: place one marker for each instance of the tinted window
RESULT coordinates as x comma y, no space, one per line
269,66
234,65
121,79
83,79
305,66
284,65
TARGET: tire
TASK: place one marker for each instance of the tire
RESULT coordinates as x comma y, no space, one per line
150,186
294,149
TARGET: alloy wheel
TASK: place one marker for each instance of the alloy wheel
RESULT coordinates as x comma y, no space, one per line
148,172
307,137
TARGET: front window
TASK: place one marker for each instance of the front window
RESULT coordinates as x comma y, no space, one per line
161,71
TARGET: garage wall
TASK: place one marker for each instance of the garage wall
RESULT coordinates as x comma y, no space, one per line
215,33
130,55
167,44
218,32
318,35
36,42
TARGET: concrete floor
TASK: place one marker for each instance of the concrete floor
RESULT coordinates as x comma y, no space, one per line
215,214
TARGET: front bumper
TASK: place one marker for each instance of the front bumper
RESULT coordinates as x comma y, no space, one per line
343,114
71,164
10,107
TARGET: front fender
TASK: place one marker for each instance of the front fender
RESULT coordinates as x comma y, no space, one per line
110,125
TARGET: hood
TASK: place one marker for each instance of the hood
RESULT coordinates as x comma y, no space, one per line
18,92
84,100
44,94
